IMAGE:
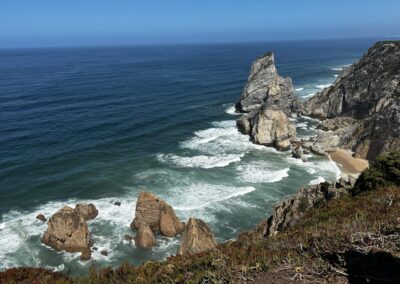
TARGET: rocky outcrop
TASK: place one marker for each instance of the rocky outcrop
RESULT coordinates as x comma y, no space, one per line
271,127
87,211
196,238
67,231
267,101
41,217
157,214
291,209
145,237
265,87
362,107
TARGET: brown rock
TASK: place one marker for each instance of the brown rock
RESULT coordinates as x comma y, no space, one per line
67,231
157,214
86,255
87,211
170,225
104,252
145,237
196,238
41,217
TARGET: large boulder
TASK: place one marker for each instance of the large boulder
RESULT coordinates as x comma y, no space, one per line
67,231
271,127
87,211
157,214
363,103
265,87
145,237
196,238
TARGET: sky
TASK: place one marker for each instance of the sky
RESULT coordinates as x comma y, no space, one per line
32,23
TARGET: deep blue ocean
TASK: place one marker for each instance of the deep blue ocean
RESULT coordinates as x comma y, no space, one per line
100,124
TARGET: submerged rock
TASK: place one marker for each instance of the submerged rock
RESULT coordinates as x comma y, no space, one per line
298,152
87,211
196,238
145,237
41,217
67,231
157,214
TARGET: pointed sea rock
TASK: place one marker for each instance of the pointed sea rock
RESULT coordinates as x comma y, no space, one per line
157,214
196,238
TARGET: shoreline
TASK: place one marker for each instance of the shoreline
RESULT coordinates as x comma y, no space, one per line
347,164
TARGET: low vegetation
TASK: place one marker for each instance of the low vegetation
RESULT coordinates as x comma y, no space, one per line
354,238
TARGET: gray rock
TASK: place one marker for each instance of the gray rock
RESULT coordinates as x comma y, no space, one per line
364,103
298,153
265,87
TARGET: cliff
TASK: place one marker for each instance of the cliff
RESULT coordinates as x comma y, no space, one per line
362,107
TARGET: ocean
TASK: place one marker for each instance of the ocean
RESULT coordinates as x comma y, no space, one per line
101,124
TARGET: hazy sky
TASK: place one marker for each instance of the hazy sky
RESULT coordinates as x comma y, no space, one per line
103,22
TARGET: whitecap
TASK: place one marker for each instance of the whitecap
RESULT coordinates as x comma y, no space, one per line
323,86
317,180
231,110
308,96
337,68
260,172
299,89
201,161
200,195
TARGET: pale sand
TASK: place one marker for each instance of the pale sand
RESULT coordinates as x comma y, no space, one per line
347,163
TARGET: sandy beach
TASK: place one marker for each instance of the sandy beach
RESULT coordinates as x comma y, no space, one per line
347,163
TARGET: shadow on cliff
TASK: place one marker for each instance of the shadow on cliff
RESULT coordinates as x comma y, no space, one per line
373,267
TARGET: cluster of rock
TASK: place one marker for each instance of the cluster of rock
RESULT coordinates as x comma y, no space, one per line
68,231
154,215
361,110
267,101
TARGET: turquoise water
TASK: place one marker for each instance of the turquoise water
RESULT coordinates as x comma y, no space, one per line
101,124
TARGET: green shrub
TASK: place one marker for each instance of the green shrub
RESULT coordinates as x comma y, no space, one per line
384,171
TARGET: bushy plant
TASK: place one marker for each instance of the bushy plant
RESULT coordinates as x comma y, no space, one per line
384,171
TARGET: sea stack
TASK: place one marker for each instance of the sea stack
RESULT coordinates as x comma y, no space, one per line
267,101
153,212
67,231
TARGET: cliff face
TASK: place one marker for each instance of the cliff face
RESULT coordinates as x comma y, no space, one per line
366,97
